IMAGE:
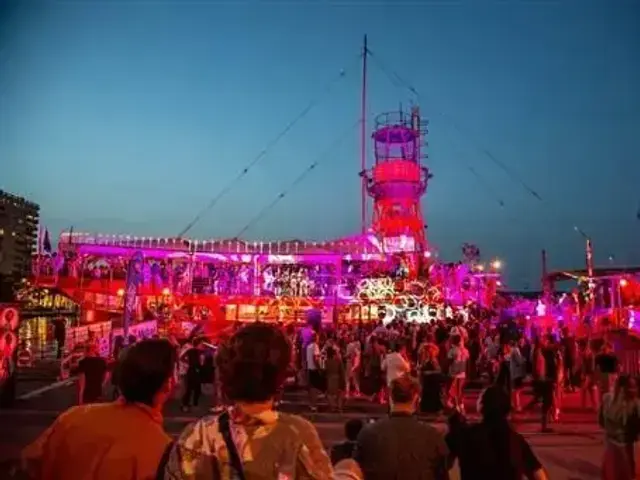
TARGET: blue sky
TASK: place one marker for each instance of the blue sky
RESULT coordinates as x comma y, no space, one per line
129,116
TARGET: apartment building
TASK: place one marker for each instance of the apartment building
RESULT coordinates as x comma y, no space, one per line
18,236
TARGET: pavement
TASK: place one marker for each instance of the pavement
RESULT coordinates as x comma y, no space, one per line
572,451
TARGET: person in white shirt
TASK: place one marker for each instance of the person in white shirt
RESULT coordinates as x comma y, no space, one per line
460,330
458,357
314,372
396,364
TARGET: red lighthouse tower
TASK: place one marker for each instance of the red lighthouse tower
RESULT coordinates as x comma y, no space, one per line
398,180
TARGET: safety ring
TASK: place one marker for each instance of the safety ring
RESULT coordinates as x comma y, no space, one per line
3,342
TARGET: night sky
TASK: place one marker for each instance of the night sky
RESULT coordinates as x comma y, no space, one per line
130,116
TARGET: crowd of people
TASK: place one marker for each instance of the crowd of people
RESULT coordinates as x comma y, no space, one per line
414,369
248,438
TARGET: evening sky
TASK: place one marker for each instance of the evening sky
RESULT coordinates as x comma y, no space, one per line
130,116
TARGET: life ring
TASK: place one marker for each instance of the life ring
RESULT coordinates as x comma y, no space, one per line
9,318
3,342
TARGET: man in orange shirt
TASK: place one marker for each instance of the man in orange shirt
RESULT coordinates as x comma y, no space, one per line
121,440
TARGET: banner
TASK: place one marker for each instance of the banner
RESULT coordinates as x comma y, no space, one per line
78,335
134,277
139,330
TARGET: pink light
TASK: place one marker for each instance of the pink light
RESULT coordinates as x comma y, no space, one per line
623,282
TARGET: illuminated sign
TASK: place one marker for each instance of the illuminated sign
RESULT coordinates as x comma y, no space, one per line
403,243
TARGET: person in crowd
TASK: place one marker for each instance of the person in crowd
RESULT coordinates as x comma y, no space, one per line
554,372
250,439
619,416
458,357
518,371
119,440
400,446
92,341
60,335
193,358
346,449
396,364
587,370
431,379
353,357
118,347
374,374
503,378
117,353
208,374
538,372
315,380
607,368
335,375
92,374
70,362
492,449
8,363
569,354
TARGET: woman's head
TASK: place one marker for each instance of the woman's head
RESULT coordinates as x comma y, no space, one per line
253,363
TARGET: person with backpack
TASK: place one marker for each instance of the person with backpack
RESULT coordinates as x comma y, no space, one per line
250,439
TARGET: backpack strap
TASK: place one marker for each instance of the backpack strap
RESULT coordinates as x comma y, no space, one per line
234,458
164,459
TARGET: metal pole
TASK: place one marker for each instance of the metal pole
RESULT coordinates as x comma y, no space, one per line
363,138
546,283
589,252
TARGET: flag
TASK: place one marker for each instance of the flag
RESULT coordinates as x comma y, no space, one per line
39,240
46,243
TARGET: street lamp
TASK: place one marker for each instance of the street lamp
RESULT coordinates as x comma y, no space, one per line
496,264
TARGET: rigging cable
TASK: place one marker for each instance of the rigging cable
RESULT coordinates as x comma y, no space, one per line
303,113
397,80
298,179
486,185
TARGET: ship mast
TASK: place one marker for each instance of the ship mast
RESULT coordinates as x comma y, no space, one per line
363,138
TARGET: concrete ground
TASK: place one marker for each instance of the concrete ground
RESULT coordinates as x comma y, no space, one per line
573,451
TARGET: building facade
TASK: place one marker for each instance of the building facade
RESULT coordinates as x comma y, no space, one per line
18,236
